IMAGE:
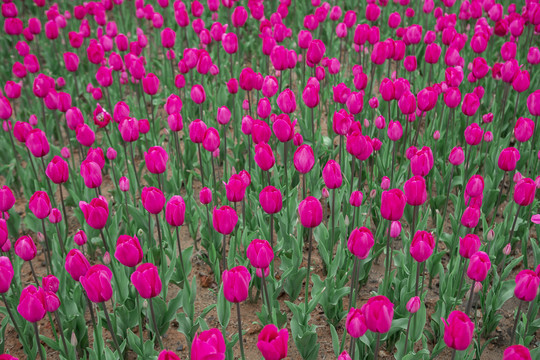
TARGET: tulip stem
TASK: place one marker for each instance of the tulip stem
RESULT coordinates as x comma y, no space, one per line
332,239
376,352
104,241
10,314
471,295
407,334
453,354
445,205
310,235
214,173
271,230
266,295
462,269
47,253
223,251
354,281
513,226
200,162
501,190
413,224
38,342
34,272
388,266
31,161
155,323
111,329
134,166
533,146
180,251
65,221
393,162
240,330
417,278
61,330
303,186
48,182
512,334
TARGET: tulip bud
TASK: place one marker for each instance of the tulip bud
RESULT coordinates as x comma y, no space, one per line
413,304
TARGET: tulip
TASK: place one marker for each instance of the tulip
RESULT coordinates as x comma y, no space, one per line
91,173
205,196
25,248
355,324
7,199
524,192
310,212
32,304
128,250
37,143
96,212
271,200
273,343
156,160
516,352
6,274
168,355
508,159
208,344
264,157
304,159
332,175
236,284
379,312
40,204
392,204
527,282
260,253
147,281
458,330
360,242
152,199
415,191
422,246
224,219
97,283
470,217
287,101
469,245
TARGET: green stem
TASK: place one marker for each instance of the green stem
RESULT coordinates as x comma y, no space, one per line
155,323
240,331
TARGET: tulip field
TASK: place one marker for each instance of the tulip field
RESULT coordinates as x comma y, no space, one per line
270,179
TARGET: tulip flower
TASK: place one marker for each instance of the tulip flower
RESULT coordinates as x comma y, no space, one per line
148,284
273,343
458,331
209,343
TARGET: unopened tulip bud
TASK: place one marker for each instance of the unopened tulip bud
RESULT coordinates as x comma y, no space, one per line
40,237
66,154
123,184
325,193
477,287
140,233
436,135
395,229
507,249
413,305
385,183
107,258
517,176
73,340
490,235
373,193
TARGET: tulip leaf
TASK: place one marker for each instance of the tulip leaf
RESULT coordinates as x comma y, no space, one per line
223,308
